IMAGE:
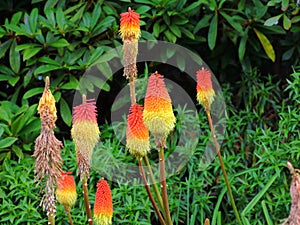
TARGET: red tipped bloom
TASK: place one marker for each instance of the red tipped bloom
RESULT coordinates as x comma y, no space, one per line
130,25
205,91
137,135
85,133
103,208
158,115
66,190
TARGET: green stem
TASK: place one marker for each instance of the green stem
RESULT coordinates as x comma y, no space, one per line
222,166
153,185
67,209
163,184
149,192
86,200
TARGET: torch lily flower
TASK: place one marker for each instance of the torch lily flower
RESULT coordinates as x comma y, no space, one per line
85,133
137,135
66,190
130,25
48,162
205,91
158,115
103,208
130,33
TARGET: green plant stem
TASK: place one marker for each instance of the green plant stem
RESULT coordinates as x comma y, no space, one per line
86,200
222,166
149,192
163,184
67,209
153,184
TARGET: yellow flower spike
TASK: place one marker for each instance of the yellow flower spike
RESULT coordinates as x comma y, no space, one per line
158,114
205,91
137,135
85,133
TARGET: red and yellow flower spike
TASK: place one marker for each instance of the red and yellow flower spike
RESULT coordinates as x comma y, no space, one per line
103,207
130,33
205,91
85,133
66,190
158,115
137,135
130,25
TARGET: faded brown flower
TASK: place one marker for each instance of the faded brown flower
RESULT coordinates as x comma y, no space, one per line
47,150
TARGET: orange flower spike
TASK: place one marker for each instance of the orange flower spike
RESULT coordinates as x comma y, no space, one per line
130,25
66,190
137,135
103,207
205,91
158,115
85,131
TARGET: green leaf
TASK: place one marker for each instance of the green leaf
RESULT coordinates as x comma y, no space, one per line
204,22
46,68
59,43
71,85
30,52
95,15
273,20
60,18
32,92
284,5
191,7
4,46
105,69
7,142
2,32
33,20
266,44
172,38
242,46
142,9
175,30
65,112
156,29
212,32
237,26
286,22
187,33
18,151
14,57
48,60
288,54
96,81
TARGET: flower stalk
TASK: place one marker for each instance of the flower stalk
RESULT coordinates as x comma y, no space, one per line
205,96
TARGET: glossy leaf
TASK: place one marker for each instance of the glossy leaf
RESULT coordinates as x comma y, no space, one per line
266,44
65,112
59,43
14,57
30,52
33,92
7,142
273,20
45,68
212,32
286,22
4,47
242,46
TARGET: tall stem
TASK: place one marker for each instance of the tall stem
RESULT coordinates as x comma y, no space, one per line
86,200
132,90
67,209
149,192
153,185
163,184
222,166
51,220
